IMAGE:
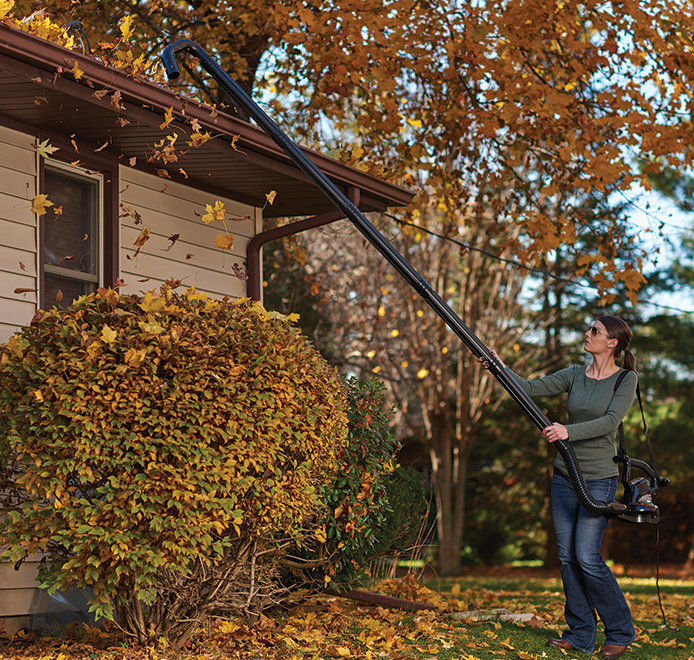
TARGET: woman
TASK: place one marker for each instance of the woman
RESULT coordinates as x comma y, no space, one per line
595,412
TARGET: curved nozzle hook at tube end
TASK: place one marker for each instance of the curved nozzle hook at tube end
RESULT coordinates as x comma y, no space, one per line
168,58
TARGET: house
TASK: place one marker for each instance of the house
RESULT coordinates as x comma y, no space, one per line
94,145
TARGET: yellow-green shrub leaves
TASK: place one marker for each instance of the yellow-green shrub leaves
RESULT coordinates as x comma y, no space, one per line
144,436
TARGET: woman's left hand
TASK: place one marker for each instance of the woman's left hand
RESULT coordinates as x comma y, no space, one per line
555,432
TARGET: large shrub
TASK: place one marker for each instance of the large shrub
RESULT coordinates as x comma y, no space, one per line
158,447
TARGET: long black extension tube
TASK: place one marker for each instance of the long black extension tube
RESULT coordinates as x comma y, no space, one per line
477,348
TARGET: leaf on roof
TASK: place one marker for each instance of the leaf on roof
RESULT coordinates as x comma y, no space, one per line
126,26
5,7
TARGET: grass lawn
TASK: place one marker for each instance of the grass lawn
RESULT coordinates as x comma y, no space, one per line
340,628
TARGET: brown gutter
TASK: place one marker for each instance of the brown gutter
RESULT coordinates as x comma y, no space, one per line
254,287
49,56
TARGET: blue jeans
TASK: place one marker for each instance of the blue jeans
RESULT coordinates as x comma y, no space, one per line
589,585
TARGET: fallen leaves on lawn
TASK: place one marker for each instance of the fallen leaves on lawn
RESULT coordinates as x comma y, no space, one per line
332,628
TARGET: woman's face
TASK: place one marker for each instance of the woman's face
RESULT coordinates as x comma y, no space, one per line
597,339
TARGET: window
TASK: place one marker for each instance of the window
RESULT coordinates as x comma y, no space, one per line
72,259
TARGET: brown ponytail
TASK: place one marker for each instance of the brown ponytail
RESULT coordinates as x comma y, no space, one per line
619,329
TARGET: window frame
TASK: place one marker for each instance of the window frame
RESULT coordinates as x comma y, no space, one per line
108,226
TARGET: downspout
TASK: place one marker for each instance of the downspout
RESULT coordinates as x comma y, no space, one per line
254,287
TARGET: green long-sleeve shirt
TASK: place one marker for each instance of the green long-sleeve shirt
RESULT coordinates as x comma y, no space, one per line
595,411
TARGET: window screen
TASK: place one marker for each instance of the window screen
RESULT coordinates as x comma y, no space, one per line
71,241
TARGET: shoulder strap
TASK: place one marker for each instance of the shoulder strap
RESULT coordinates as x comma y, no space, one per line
622,445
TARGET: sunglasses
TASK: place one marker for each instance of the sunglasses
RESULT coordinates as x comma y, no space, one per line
596,331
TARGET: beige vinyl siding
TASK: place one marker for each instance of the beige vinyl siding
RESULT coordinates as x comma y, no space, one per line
168,208
17,588
18,231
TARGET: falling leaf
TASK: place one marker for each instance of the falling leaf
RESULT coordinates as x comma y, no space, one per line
381,311
422,373
271,197
44,148
195,125
67,258
142,238
76,71
23,290
22,266
115,100
59,296
173,238
214,213
239,272
183,172
234,140
163,174
198,139
40,203
189,255
168,117
74,145
103,146
99,94
58,210
224,241
85,237
132,161
38,100
122,121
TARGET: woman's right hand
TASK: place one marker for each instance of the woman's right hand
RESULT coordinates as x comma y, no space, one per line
485,363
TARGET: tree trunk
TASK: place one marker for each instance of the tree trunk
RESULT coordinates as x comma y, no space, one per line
449,488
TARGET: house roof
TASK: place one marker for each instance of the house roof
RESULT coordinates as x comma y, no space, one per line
38,93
